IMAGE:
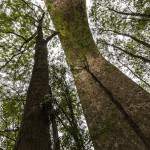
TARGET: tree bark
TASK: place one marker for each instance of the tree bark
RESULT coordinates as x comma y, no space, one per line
75,130
34,133
53,115
116,108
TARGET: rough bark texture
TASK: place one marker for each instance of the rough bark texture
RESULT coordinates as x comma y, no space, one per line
34,133
116,108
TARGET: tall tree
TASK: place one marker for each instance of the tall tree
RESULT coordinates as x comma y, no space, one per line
34,131
116,108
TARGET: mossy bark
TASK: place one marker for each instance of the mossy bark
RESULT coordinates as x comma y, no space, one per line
103,90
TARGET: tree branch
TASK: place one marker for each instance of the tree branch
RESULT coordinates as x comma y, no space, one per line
128,53
19,51
130,14
10,32
25,2
137,76
51,36
132,37
6,136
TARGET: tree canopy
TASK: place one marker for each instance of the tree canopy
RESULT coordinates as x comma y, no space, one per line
121,30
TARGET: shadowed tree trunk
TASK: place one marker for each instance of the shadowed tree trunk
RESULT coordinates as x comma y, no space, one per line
116,108
34,133
75,132
56,141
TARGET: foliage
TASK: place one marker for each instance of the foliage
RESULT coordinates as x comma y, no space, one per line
122,29
19,18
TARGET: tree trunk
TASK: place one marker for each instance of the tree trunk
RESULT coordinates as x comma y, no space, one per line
56,141
75,130
34,133
116,108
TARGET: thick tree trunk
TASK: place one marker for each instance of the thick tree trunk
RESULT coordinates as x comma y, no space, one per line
34,133
117,110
